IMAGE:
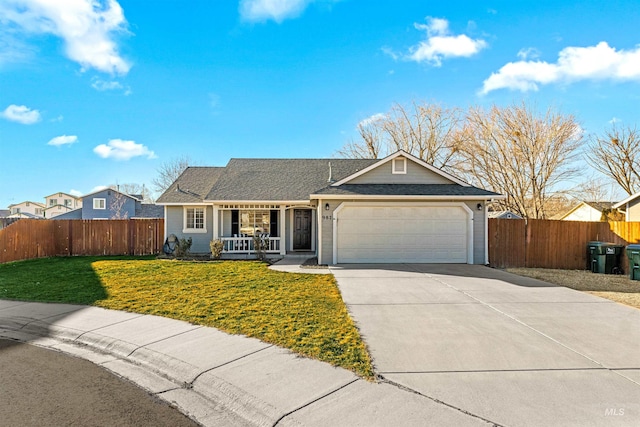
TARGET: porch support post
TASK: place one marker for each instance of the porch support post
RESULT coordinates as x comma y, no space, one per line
216,222
283,231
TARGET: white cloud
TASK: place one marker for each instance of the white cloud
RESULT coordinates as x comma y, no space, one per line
388,51
372,119
86,26
441,44
276,10
599,62
119,149
21,114
102,85
615,120
63,140
528,53
97,188
76,193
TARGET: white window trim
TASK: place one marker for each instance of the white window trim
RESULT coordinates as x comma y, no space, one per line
184,220
393,166
96,206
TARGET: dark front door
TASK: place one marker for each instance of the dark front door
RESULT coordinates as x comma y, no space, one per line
301,229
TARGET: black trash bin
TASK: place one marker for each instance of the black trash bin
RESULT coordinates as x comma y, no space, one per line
604,257
633,253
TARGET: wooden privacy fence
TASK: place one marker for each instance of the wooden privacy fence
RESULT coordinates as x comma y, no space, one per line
37,238
553,244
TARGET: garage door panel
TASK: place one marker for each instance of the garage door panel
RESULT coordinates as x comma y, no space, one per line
371,234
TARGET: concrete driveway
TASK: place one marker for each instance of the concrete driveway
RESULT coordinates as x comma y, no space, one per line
508,350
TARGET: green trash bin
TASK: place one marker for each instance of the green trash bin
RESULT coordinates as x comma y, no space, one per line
633,253
604,257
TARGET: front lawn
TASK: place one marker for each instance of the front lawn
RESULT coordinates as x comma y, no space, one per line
616,288
302,312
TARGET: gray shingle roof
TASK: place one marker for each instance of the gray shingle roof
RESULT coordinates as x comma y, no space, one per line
74,214
192,186
281,179
600,206
405,190
148,210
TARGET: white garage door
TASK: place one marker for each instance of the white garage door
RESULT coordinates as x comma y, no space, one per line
419,234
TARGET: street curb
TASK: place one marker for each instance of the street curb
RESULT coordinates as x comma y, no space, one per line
199,394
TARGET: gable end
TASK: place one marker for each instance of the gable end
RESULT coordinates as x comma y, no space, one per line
401,168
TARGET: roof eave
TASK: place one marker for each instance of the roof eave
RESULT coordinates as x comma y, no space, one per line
625,201
256,202
417,197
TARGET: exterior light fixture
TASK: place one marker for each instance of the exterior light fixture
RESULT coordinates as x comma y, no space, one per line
479,206
326,206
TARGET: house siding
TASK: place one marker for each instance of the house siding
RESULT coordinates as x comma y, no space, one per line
174,223
326,234
88,212
416,174
633,212
478,231
584,213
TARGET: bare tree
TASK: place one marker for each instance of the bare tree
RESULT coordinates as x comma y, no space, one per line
370,144
132,188
519,153
591,190
425,130
116,205
616,154
169,171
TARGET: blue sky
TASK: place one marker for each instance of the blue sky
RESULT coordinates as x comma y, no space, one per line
94,93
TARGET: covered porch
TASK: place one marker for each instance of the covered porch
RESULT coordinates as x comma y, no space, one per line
276,229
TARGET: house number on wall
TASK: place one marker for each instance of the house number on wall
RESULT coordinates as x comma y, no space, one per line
327,217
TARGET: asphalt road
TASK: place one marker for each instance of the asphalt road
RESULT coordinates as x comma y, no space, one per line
44,387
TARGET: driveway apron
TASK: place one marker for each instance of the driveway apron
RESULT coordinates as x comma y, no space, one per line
513,351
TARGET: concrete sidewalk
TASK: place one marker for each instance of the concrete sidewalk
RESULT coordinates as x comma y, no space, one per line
220,379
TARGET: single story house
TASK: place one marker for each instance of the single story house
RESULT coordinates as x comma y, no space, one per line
630,207
590,211
392,210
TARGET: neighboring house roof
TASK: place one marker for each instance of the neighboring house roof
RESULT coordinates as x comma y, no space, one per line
58,205
148,210
133,197
192,186
598,206
57,193
503,215
4,213
27,201
281,179
405,190
74,214
24,215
